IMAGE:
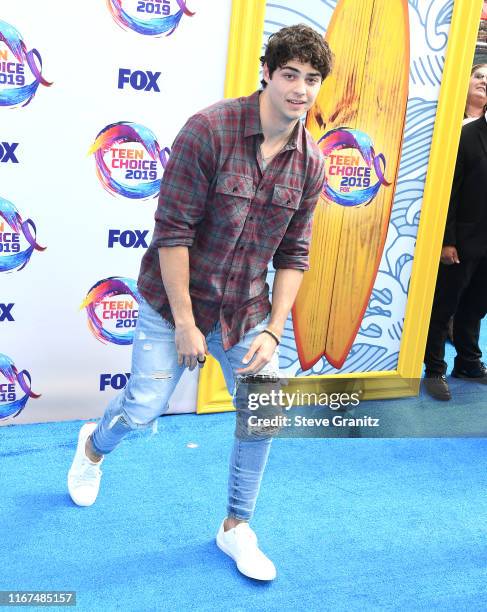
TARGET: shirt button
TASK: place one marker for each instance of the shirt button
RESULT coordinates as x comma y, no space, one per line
251,217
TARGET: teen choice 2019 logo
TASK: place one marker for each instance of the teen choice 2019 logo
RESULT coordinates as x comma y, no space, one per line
15,388
354,173
112,306
18,66
149,17
129,160
17,238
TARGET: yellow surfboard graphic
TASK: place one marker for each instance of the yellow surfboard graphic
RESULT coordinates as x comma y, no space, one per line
358,120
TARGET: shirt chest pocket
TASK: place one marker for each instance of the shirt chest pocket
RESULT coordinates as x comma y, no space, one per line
233,195
284,203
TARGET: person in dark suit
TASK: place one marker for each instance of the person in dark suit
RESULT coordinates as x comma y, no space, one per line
475,107
461,286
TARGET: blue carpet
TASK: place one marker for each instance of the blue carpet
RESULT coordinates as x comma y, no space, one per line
351,524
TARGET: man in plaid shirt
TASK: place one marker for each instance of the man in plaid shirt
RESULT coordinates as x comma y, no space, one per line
240,189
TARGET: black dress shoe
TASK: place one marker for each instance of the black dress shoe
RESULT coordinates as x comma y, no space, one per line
479,374
436,386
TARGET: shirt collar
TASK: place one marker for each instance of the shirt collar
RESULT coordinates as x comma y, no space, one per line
253,125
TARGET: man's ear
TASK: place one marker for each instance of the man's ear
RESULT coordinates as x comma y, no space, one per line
265,73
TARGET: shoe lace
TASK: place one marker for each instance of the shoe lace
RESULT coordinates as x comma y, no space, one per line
88,472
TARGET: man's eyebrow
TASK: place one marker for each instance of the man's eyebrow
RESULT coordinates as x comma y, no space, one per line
299,71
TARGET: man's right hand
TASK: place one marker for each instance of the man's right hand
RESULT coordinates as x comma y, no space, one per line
190,346
449,255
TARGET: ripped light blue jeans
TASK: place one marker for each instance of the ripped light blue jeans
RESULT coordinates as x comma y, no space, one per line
155,373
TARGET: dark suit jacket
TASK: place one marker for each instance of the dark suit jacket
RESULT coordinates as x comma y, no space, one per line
466,225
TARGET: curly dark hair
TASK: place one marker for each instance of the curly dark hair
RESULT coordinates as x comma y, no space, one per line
301,43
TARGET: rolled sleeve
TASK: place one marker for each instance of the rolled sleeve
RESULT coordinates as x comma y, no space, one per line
293,251
184,186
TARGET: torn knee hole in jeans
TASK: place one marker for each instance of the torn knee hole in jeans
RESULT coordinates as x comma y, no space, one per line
161,375
262,432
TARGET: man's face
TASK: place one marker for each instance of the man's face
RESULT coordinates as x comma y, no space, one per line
292,89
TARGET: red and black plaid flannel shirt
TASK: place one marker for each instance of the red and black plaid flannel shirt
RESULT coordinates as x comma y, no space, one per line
234,217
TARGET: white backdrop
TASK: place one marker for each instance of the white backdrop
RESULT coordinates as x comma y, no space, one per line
49,175
51,178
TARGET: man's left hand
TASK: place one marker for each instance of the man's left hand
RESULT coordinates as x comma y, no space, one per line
259,354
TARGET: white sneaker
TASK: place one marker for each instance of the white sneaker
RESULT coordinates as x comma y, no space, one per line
240,543
84,475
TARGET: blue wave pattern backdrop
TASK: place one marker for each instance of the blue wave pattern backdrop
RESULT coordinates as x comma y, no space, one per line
376,347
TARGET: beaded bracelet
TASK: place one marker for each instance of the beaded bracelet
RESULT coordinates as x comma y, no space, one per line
275,336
